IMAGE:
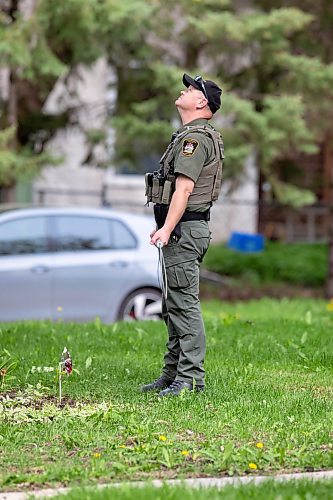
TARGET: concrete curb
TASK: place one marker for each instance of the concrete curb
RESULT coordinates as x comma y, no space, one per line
206,482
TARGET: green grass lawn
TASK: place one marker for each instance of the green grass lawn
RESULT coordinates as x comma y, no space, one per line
293,490
268,405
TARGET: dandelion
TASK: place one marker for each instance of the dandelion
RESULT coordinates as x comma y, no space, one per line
59,309
185,453
260,445
329,306
121,446
162,438
97,455
253,466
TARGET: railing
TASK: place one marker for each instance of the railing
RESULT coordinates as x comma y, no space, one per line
100,195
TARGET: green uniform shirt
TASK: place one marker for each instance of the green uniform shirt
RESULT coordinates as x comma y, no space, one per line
193,152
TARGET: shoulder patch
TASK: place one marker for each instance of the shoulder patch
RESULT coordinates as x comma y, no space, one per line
189,146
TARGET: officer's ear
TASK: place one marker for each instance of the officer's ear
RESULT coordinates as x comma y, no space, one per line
202,103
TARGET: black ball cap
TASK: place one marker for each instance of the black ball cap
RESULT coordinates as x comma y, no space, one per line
211,91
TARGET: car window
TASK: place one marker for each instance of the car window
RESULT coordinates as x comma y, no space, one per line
76,233
121,236
26,235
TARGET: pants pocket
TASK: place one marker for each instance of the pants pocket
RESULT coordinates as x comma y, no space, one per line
201,237
177,277
200,232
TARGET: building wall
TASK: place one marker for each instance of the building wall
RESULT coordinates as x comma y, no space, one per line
87,93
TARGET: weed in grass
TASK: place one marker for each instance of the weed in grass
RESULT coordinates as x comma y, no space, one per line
7,367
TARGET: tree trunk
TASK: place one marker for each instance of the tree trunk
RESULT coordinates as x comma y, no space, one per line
328,198
13,9
12,101
329,283
261,206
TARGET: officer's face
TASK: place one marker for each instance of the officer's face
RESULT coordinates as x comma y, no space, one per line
189,98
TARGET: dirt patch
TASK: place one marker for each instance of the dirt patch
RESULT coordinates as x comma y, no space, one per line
31,401
245,291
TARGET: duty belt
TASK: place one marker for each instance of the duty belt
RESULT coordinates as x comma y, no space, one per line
161,211
189,215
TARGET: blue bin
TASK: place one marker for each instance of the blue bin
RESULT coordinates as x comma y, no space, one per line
244,242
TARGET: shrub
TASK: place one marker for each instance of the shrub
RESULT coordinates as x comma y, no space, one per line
298,263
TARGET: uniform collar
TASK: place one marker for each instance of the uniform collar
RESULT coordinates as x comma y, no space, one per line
197,121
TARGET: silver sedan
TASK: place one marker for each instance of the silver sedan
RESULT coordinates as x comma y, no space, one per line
77,264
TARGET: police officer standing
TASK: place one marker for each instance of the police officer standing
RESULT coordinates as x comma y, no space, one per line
183,190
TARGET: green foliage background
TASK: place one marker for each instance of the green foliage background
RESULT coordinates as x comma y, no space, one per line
273,61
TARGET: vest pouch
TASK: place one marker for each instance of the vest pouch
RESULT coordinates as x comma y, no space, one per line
149,186
166,195
157,190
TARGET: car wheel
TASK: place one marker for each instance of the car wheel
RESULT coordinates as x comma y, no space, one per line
143,304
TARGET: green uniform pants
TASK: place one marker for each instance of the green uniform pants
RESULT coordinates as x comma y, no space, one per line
186,346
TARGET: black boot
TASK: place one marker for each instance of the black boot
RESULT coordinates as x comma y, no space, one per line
161,383
177,387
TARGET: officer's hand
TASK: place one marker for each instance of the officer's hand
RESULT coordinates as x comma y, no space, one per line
152,233
162,234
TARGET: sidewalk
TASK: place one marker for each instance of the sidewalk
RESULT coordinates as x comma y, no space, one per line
191,483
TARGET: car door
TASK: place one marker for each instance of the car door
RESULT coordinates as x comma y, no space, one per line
25,269
90,272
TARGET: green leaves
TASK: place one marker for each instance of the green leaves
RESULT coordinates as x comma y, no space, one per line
18,164
72,29
308,74
24,47
291,195
275,131
275,26
264,29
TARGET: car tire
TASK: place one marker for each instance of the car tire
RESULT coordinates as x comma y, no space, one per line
142,304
